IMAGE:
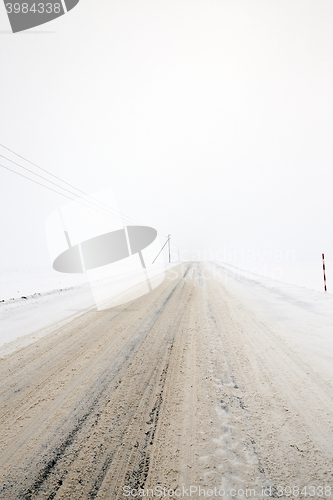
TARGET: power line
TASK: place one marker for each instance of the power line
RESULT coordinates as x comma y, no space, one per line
123,216
55,184
65,182
54,190
61,187
43,185
95,202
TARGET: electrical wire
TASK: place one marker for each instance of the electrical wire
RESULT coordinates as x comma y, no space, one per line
65,182
67,190
123,216
96,203
40,184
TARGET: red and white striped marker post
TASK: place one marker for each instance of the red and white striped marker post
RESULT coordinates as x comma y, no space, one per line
325,288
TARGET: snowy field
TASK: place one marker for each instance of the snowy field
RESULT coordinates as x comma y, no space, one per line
19,282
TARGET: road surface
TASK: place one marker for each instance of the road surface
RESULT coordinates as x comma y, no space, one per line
182,388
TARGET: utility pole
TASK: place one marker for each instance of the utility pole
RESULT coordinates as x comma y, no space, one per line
169,236
167,241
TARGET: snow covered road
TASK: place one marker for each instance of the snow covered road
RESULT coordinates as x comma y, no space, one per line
213,380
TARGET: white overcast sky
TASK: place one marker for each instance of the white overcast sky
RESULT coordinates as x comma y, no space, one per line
209,119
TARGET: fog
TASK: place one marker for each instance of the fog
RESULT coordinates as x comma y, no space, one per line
209,120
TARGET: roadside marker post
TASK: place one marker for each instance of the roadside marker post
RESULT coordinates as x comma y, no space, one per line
324,271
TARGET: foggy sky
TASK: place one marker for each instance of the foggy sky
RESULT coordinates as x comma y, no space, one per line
210,120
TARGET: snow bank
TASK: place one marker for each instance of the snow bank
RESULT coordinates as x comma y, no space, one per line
19,282
36,309
303,318
25,320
